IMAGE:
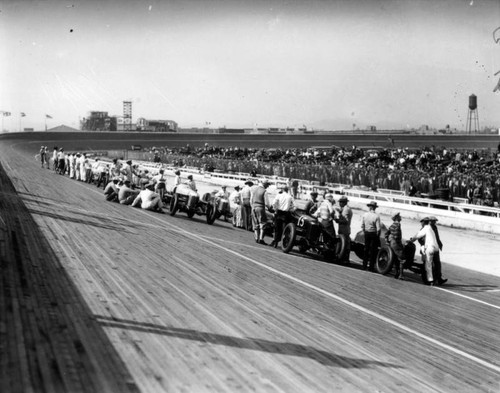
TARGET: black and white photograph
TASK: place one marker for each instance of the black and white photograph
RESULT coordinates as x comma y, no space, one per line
250,196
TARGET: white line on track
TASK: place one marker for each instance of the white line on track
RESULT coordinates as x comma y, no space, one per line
341,299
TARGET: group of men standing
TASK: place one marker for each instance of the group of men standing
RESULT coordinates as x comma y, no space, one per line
253,216
254,204
428,237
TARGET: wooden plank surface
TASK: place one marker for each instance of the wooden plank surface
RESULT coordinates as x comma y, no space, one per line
97,296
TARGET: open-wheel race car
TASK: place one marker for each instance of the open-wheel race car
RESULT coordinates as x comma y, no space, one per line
216,207
386,257
306,233
182,198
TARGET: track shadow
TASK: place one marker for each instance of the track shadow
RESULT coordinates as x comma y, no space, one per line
282,348
100,222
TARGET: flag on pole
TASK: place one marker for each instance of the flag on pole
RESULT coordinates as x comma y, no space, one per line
48,116
23,114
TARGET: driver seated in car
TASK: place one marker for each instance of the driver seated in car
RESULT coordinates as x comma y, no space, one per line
190,182
221,194
326,214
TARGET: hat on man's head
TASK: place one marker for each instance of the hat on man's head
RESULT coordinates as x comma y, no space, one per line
313,193
190,177
433,219
425,219
285,188
129,162
237,188
329,197
373,204
394,216
249,182
265,182
177,172
149,185
126,181
343,198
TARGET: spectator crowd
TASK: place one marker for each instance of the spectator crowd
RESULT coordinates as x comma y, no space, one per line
430,171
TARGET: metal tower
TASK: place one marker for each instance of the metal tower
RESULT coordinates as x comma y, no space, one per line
472,115
127,115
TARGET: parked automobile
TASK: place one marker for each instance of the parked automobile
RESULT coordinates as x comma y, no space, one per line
386,257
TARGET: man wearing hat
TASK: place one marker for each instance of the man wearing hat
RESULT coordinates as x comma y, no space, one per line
429,248
148,199
127,195
394,237
438,274
370,225
258,202
246,207
344,221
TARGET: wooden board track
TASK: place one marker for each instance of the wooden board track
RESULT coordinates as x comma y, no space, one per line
99,297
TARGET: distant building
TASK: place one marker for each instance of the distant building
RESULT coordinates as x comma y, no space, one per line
98,121
156,125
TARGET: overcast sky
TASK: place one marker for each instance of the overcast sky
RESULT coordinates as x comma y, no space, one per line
325,64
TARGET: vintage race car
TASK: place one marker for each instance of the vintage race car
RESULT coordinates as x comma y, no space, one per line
216,207
182,198
306,233
386,257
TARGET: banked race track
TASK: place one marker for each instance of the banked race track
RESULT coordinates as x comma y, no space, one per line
100,297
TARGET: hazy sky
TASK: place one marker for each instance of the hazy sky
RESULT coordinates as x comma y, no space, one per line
325,64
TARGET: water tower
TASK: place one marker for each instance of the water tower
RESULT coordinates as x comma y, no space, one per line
472,115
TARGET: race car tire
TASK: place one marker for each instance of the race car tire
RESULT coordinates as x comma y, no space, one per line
385,260
210,214
341,247
288,238
174,202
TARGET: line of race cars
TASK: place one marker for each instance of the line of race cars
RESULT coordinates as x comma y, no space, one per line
303,233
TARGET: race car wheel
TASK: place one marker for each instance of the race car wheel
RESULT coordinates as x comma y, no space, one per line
210,214
385,260
340,247
288,238
174,204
